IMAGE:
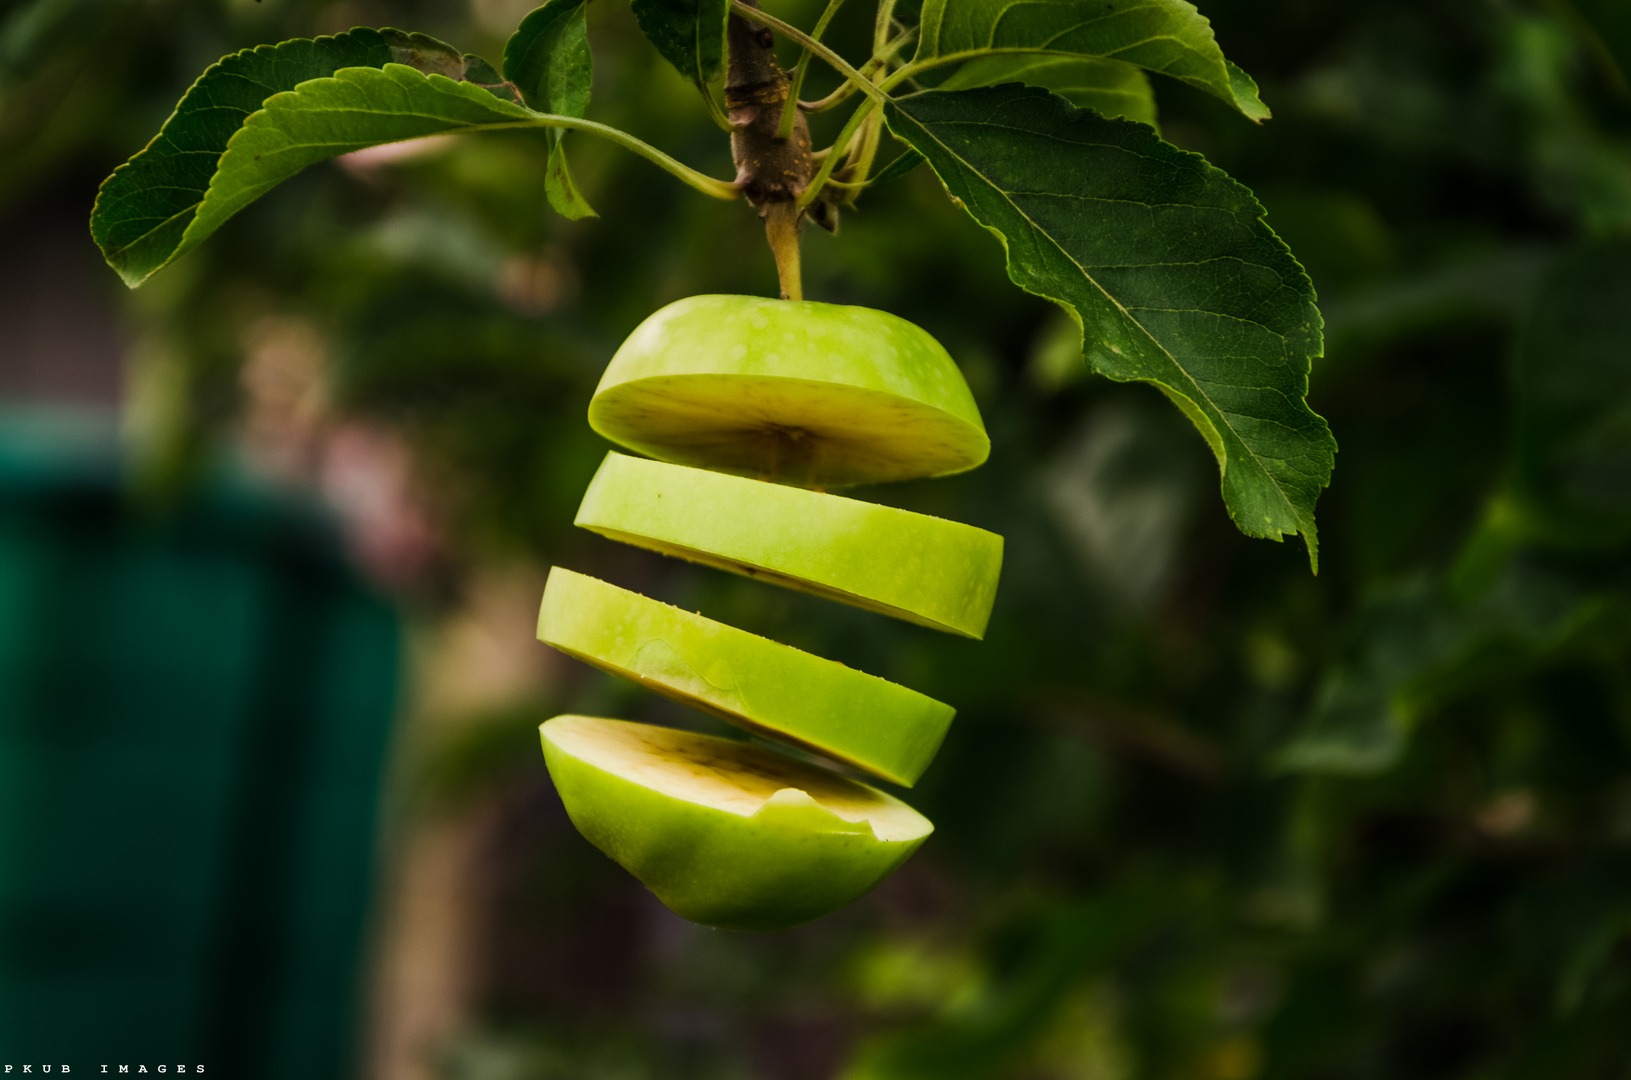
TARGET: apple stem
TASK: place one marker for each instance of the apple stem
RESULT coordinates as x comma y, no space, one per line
783,221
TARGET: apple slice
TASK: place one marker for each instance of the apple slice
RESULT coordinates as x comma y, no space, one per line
752,682
725,833
923,569
819,395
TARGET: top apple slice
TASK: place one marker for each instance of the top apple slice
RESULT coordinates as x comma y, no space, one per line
818,395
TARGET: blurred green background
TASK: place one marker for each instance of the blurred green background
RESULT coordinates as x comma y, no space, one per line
1201,815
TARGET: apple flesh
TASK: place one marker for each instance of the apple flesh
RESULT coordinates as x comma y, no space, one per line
722,832
927,570
757,684
806,394
820,395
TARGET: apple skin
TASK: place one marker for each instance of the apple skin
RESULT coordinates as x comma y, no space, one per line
790,861
926,570
820,395
809,394
761,685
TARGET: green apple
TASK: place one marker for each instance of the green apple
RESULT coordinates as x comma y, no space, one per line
755,683
726,392
924,569
820,395
726,833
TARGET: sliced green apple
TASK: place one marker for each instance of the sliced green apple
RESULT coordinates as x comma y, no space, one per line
726,833
820,395
752,682
924,569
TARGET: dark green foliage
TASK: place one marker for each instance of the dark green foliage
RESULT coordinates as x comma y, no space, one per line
548,58
690,34
1133,759
1174,276
1572,386
1606,25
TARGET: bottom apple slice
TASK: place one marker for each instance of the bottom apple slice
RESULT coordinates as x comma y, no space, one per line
725,833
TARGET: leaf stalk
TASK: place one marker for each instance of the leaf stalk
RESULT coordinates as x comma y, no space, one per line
819,180
790,109
708,185
782,226
870,69
717,113
880,26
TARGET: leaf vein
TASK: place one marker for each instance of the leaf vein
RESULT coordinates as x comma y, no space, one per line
1050,241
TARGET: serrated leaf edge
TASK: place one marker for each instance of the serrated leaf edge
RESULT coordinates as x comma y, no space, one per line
1305,522
97,205
1250,106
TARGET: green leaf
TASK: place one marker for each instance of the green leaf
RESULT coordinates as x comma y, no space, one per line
1166,36
145,207
562,190
1107,86
424,53
548,58
182,188
145,212
1167,265
689,33
478,71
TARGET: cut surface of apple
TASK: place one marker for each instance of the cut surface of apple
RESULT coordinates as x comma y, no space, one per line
923,569
820,395
755,683
726,833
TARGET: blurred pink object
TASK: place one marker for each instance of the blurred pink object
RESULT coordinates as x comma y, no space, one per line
367,474
365,162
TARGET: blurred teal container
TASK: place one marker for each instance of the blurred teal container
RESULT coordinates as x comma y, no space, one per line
194,709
